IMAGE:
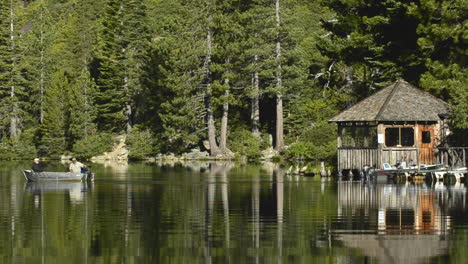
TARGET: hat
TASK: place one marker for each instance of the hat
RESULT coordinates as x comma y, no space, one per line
36,159
73,159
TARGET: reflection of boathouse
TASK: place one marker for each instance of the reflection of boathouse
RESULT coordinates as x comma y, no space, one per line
397,123
405,223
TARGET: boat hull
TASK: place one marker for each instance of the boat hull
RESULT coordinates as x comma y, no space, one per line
56,176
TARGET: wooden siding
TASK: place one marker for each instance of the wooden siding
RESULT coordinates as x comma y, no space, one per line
392,155
356,158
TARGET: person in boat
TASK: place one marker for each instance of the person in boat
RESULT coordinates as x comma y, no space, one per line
84,169
76,166
37,166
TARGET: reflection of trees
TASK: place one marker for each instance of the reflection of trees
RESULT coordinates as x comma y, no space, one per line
227,213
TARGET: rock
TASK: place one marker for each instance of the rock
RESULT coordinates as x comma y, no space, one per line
206,144
195,154
269,153
119,152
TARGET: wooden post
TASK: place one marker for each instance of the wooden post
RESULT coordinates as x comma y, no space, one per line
339,144
416,142
464,157
380,145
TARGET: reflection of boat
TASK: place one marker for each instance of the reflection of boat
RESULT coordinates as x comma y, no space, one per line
76,190
55,186
57,176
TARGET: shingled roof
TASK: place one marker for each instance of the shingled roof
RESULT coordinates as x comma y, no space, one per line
400,101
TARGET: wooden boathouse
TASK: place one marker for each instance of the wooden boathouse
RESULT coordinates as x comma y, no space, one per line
399,123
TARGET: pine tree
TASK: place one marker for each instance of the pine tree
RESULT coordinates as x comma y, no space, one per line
370,45
80,109
442,41
38,59
122,53
176,75
53,129
110,98
12,92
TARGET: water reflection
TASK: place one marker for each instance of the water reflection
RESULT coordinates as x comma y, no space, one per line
75,190
222,212
398,223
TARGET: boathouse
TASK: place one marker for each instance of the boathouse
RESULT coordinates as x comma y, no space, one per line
399,123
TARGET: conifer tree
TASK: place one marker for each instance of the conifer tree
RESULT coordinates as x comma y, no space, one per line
442,41
80,109
176,56
53,129
110,98
375,41
11,84
123,45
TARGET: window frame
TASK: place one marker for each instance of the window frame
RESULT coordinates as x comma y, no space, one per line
399,137
422,137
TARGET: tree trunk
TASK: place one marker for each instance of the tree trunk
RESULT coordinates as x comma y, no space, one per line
42,69
14,121
128,107
255,113
279,123
279,83
224,121
214,149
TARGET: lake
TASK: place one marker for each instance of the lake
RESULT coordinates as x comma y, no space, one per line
221,212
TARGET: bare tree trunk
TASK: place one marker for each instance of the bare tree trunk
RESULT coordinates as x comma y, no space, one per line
224,121
255,112
279,83
14,121
128,107
279,123
42,69
214,149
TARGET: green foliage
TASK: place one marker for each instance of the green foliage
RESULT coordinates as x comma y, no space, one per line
80,108
52,131
71,69
93,145
317,142
140,143
244,143
22,148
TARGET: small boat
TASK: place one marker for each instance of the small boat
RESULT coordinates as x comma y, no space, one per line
57,176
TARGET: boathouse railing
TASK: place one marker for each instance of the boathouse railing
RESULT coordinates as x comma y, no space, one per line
356,157
453,156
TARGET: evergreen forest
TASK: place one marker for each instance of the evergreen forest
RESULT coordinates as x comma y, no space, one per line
232,76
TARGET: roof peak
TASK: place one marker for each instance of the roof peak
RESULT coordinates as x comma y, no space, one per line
400,101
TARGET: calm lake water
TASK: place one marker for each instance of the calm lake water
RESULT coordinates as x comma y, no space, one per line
226,213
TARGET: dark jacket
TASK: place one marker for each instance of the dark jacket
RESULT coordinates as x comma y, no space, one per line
37,167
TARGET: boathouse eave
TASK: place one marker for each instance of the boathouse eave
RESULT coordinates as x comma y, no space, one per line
399,102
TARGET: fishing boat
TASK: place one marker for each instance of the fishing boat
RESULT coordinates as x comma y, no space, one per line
57,176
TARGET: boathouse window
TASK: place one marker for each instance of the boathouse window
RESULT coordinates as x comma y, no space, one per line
359,136
426,137
399,137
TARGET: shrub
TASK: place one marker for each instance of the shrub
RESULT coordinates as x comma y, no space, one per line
23,148
244,143
93,145
318,142
140,144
